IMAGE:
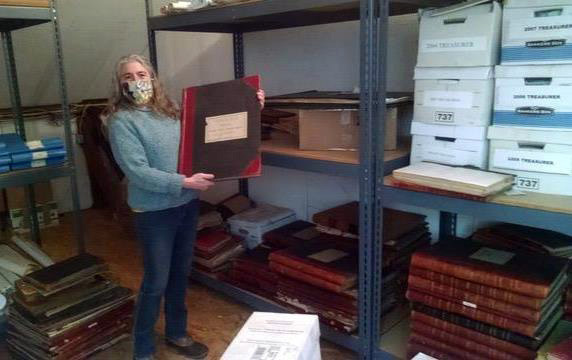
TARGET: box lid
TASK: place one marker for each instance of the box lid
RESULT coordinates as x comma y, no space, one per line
533,71
539,136
454,73
455,8
534,3
261,215
449,131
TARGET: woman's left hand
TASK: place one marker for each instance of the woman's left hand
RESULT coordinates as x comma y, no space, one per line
260,95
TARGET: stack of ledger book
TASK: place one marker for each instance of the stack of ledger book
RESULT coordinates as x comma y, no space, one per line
68,310
471,301
449,180
16,154
214,248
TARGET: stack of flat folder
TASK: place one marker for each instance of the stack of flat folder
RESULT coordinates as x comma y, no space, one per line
473,301
69,310
214,248
15,154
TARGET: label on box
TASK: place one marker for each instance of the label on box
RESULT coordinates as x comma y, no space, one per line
35,144
527,99
552,163
226,127
36,155
527,183
448,99
549,27
444,117
476,43
447,155
38,163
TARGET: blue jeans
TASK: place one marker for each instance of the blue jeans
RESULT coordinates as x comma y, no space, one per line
167,238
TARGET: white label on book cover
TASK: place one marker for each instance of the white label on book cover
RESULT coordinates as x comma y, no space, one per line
33,145
38,163
37,155
448,99
494,256
476,43
527,99
527,183
552,163
556,28
226,127
471,305
329,255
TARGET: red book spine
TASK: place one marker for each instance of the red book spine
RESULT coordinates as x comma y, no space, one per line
302,276
486,341
255,166
511,310
187,132
455,351
475,314
475,274
485,290
327,273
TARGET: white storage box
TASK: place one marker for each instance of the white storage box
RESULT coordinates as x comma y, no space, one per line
450,145
276,336
469,36
454,96
540,159
253,223
534,96
537,32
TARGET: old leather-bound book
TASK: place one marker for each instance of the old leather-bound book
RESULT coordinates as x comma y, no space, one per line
533,275
220,130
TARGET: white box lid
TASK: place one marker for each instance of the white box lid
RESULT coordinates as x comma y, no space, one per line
531,71
469,7
263,214
453,73
535,3
541,136
449,131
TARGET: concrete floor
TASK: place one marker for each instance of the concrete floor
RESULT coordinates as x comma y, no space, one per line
213,318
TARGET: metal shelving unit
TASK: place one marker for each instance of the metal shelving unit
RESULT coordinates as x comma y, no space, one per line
277,14
14,18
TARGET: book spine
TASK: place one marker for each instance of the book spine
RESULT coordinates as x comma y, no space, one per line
299,264
293,273
486,341
38,163
455,351
475,300
475,314
473,274
478,326
38,155
186,147
485,290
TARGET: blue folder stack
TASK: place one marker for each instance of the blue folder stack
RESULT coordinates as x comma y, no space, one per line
15,154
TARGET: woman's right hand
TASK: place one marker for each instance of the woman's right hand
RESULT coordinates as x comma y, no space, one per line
199,181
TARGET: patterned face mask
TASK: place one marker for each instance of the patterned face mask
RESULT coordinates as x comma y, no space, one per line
139,92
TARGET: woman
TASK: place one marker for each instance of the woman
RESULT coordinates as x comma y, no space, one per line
144,133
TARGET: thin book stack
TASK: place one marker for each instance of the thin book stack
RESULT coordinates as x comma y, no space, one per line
478,302
15,154
68,310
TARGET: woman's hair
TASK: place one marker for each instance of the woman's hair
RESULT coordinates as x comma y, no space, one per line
160,101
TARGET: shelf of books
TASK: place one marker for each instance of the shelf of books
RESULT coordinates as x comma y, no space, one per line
18,17
282,151
31,176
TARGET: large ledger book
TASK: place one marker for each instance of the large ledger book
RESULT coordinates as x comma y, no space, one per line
533,275
220,130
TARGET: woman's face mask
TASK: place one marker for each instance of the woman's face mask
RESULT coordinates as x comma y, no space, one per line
140,92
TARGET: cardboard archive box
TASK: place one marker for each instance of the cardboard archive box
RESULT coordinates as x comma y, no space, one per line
540,159
454,96
450,145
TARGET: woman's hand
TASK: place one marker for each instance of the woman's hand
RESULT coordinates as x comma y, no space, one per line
260,95
199,181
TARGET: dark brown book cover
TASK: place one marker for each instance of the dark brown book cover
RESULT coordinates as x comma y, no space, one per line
541,240
455,351
478,301
489,342
321,259
528,274
220,130
211,240
233,205
494,319
305,277
481,289
291,234
345,218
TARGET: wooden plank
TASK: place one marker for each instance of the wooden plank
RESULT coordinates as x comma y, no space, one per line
30,3
284,144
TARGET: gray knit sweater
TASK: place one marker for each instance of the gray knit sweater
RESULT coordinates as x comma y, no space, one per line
146,147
